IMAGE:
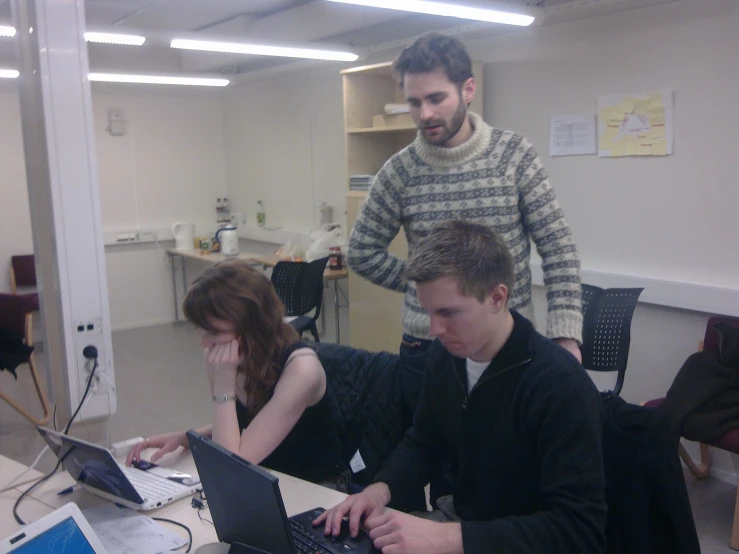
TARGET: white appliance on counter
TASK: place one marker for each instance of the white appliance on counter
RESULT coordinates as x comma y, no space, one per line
184,235
229,240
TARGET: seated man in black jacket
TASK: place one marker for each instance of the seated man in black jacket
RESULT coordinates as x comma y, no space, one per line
514,413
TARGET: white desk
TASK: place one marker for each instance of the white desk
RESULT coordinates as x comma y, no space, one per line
298,496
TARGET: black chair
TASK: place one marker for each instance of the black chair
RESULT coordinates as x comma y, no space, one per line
606,330
16,349
300,287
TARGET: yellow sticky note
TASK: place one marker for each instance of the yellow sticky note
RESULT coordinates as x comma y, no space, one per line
618,150
658,119
641,105
627,106
655,104
606,115
659,147
645,149
632,149
657,131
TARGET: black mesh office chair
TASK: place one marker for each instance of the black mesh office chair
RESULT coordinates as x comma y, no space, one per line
300,287
606,331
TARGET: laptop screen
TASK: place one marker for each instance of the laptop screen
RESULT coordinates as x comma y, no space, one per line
244,500
91,465
64,538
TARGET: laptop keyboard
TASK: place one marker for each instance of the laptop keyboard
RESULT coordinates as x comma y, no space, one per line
308,543
150,486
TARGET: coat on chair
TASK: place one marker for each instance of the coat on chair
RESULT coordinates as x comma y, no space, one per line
648,506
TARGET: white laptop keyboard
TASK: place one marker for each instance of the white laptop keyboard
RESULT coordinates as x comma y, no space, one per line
152,486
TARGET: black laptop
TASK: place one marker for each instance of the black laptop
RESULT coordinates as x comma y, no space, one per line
247,509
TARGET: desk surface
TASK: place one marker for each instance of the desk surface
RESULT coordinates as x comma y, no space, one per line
298,496
212,257
256,259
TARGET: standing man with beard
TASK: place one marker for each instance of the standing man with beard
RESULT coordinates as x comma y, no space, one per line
459,167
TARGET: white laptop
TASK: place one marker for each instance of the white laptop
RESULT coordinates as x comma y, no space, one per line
98,471
63,531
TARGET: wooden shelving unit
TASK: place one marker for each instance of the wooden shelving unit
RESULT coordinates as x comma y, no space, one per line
375,313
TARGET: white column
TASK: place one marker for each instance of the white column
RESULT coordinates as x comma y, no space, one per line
64,197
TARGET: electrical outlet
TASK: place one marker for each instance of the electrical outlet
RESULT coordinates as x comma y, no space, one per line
101,398
147,235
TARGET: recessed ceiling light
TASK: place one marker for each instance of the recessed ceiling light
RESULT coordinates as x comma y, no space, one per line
496,13
7,31
114,38
157,79
9,73
264,50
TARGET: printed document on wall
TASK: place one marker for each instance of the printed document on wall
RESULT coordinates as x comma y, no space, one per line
635,124
572,135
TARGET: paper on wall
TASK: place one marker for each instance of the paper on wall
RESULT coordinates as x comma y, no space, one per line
636,124
572,135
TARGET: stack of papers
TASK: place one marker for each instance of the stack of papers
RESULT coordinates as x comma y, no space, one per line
391,109
123,531
360,182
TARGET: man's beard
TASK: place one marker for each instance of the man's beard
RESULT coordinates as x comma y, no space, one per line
448,131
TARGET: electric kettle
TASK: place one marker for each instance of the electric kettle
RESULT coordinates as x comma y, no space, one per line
229,239
184,235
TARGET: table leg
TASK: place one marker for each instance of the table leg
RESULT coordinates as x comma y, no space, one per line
336,311
184,277
174,287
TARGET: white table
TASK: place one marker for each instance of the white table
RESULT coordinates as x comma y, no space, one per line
298,496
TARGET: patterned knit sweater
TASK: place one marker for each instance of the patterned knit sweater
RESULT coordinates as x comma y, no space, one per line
495,178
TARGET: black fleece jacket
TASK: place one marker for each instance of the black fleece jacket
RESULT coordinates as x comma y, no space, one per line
525,445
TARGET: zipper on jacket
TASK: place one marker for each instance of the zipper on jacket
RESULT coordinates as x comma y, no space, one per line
489,378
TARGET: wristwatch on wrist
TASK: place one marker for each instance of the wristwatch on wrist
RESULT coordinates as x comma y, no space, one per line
222,398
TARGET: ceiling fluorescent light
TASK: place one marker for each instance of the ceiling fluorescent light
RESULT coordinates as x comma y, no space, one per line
263,50
157,80
9,73
114,38
509,15
7,31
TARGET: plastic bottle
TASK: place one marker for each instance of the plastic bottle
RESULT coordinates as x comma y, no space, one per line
261,216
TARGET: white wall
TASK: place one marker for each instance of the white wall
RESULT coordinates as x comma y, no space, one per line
665,217
169,166
673,217
285,140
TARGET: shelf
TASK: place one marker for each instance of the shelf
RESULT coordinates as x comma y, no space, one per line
357,194
363,130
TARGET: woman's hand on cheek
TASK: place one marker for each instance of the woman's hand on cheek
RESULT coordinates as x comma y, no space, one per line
223,361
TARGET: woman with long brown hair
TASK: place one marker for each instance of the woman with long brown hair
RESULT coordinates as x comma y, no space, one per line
269,390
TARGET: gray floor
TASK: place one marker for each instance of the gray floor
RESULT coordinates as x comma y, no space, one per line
161,386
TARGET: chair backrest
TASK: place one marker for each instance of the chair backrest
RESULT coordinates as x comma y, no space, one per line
607,317
23,270
13,310
711,339
300,286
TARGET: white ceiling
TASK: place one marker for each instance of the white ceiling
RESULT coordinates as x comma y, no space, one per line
372,31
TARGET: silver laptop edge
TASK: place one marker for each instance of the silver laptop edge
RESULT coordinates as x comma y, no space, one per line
148,504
